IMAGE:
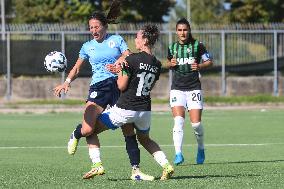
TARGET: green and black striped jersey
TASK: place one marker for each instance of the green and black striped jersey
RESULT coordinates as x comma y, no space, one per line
184,78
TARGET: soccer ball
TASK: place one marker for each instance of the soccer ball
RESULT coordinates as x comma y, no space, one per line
55,62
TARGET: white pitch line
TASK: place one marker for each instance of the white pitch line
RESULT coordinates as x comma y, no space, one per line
165,145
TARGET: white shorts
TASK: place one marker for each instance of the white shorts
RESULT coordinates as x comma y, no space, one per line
187,99
115,117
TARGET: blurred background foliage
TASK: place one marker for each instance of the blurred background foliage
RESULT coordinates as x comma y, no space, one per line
201,11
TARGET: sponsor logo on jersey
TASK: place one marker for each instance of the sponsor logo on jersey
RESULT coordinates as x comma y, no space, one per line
111,44
182,61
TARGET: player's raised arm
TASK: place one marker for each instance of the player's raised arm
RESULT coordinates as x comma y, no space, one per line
73,74
119,63
122,81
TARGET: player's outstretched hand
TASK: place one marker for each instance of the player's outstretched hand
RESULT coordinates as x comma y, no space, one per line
113,68
63,87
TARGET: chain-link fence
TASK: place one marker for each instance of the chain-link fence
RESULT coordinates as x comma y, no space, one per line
235,52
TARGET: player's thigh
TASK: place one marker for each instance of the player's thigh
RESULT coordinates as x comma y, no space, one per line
100,127
194,99
92,111
178,102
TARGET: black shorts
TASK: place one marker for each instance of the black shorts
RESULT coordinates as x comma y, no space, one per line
104,92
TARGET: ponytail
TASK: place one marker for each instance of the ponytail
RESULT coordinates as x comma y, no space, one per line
113,12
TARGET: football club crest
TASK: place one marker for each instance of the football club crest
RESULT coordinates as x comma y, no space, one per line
188,50
111,44
93,94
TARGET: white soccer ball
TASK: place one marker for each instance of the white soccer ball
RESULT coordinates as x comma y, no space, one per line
55,62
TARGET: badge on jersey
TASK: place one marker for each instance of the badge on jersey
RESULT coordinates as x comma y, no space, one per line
188,50
93,94
111,44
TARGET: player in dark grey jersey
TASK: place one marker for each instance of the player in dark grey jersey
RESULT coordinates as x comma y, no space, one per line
134,104
185,58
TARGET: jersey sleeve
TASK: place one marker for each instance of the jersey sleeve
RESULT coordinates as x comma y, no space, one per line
204,54
159,71
126,70
83,54
122,44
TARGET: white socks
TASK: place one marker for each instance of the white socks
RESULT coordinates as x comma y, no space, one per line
160,158
178,133
95,155
198,131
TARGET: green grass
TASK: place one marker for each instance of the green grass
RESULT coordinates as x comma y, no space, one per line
245,149
244,99
211,100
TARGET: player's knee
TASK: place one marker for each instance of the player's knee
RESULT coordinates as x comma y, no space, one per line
197,128
86,130
179,122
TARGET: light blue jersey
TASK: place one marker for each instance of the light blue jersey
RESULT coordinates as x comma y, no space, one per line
100,54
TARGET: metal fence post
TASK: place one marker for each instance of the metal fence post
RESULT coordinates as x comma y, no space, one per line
8,76
3,20
223,76
170,71
63,96
275,80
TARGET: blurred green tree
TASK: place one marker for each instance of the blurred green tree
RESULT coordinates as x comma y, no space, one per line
241,11
67,11
263,11
49,11
202,11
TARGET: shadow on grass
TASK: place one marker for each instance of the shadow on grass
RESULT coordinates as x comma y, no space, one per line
195,177
231,162
214,176
115,180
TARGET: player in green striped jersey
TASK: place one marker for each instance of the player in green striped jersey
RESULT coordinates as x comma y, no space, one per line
185,58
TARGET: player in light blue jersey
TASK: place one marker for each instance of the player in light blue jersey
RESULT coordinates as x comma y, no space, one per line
104,49
99,54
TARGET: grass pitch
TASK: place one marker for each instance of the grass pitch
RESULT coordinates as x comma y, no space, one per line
244,149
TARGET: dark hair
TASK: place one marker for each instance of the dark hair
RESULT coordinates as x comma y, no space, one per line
112,15
151,33
183,21
99,16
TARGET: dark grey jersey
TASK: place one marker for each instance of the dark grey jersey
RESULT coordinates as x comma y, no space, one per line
143,71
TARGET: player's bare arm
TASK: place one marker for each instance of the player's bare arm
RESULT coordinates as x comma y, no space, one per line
196,67
122,81
119,63
71,77
171,63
